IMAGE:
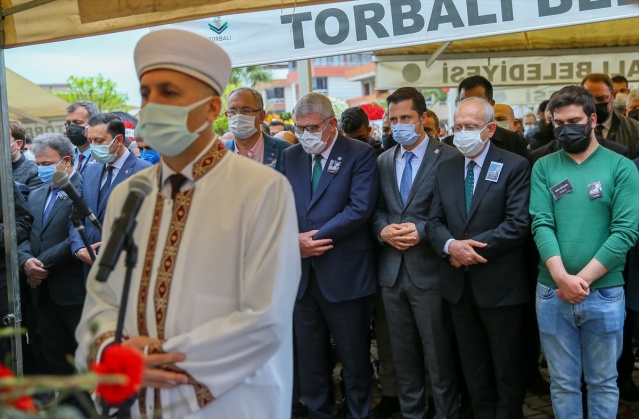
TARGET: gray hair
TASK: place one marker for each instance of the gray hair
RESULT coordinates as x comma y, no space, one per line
91,107
314,103
489,112
55,141
632,95
259,102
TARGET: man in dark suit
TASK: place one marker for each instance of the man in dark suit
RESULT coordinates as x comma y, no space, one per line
478,221
610,124
420,333
245,113
334,180
479,86
78,115
55,277
114,164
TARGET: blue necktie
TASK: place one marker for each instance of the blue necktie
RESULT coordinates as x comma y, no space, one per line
407,177
107,184
317,172
469,184
47,210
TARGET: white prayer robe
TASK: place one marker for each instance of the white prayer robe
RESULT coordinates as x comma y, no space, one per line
232,295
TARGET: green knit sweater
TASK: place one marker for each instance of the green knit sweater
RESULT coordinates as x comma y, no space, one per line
578,228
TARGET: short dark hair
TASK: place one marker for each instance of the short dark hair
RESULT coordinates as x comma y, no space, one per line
408,93
353,119
433,115
542,107
474,81
115,125
620,79
598,78
17,130
572,95
91,107
276,123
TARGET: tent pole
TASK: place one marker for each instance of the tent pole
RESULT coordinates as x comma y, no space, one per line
14,317
305,72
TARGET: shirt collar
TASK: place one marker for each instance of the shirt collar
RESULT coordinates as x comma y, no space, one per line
187,171
608,122
120,162
328,150
418,151
479,160
256,147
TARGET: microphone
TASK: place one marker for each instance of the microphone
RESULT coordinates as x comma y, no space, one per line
123,227
62,180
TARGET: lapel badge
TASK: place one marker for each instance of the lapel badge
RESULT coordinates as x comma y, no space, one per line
436,151
62,195
333,166
126,172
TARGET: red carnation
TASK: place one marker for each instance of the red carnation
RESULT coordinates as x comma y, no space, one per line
118,359
24,403
373,111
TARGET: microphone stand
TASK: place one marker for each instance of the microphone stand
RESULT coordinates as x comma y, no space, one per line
124,411
76,218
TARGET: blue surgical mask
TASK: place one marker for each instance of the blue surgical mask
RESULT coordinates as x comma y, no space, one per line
102,153
45,173
152,156
164,127
405,134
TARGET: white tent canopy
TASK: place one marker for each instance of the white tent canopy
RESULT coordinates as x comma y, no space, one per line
32,102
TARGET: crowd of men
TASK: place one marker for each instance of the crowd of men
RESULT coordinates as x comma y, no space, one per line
473,253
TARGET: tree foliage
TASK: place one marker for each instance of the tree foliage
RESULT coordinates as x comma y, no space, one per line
221,124
99,90
250,76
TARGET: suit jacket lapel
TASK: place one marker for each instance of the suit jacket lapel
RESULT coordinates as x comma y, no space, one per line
336,154
482,184
304,176
458,186
125,171
59,201
39,201
388,164
430,157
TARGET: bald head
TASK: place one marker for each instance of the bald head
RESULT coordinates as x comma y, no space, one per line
287,136
505,117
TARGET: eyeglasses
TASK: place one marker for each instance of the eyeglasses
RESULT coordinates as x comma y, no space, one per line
310,128
243,111
458,128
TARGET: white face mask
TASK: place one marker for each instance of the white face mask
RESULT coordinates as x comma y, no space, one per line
102,153
164,127
469,143
242,126
503,124
312,142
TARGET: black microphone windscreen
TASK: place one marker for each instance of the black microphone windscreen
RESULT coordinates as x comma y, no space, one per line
141,185
60,179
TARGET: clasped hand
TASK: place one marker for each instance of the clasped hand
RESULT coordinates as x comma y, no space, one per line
401,236
462,253
157,366
310,247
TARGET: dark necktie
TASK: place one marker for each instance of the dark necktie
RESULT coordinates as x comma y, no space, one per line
107,184
80,158
176,183
469,184
47,210
317,172
599,129
407,177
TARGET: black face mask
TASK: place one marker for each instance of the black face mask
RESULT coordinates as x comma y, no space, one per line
573,138
634,114
387,141
76,135
601,109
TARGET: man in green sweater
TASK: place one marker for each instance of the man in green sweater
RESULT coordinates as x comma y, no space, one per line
585,210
